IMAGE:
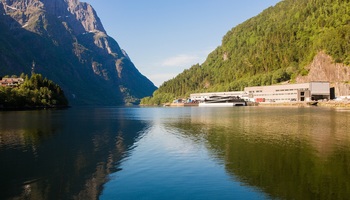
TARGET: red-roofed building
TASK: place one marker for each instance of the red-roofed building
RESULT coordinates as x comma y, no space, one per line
11,82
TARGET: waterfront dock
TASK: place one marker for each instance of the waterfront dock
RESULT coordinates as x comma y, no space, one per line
335,104
286,104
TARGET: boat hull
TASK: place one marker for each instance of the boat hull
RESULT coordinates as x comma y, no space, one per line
228,104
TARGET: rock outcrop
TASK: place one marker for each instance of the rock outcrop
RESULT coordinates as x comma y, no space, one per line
323,68
81,16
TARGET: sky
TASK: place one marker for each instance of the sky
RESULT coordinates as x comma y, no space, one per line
164,37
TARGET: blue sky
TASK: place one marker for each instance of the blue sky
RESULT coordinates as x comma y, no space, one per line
164,37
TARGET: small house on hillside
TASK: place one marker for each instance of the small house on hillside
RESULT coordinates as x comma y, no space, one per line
11,82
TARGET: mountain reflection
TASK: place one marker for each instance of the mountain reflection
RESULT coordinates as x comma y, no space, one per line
288,153
64,154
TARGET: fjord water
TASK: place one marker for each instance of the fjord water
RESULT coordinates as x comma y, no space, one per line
175,153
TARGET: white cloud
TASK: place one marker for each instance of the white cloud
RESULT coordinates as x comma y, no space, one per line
181,60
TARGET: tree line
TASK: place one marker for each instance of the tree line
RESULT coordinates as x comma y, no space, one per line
35,92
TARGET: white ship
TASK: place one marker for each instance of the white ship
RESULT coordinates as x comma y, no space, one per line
222,101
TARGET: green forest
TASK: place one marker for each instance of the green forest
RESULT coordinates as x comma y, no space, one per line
34,92
273,47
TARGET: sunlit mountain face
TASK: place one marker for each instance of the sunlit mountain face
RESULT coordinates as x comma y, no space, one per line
68,44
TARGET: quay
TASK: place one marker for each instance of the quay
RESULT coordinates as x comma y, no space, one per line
286,104
335,104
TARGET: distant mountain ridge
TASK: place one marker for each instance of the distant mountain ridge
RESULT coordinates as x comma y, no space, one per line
277,45
68,43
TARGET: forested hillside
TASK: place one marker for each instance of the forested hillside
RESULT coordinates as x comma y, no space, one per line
273,47
34,92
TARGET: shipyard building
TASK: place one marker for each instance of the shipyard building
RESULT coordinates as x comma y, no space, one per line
312,91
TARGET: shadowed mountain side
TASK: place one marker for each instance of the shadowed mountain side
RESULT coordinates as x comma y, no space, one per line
69,45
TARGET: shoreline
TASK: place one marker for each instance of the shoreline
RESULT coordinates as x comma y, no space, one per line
288,104
337,104
33,108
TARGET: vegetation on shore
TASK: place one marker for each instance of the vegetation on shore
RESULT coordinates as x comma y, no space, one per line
273,47
34,92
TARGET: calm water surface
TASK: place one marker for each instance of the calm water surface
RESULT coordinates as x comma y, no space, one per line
175,153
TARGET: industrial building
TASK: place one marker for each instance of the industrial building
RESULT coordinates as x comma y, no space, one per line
312,91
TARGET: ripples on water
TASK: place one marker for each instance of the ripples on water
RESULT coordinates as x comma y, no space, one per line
175,153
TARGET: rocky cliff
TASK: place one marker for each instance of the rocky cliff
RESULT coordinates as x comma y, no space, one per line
323,68
68,43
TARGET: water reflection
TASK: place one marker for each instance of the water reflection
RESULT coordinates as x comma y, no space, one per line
65,154
286,153
289,153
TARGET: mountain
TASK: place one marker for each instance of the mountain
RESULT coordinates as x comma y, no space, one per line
283,43
66,42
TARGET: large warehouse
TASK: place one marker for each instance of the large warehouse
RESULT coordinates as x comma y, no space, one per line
312,91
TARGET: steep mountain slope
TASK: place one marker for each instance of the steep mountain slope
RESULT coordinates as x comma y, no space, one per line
69,45
275,46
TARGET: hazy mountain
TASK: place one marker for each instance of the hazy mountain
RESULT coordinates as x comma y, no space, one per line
283,43
68,44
